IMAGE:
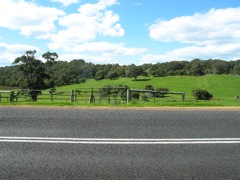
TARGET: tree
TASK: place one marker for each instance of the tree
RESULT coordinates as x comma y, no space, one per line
134,71
196,67
99,75
34,72
236,69
112,75
220,67
50,57
158,73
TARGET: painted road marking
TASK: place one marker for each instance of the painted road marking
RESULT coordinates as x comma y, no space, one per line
119,141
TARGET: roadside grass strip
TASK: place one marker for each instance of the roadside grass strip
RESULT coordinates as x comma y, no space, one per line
118,141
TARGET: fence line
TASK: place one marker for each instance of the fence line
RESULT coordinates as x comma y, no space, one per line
160,92
23,95
8,97
109,95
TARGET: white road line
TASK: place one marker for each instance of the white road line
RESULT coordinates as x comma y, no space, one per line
119,141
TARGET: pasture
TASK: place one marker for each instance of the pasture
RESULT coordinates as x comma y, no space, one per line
225,89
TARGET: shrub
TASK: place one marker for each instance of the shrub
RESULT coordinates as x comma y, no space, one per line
135,95
201,94
149,87
160,94
82,80
145,98
163,89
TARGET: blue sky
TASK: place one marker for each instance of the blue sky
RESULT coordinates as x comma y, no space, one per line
121,31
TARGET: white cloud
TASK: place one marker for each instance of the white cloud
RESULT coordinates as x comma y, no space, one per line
66,2
100,52
214,26
90,21
9,52
226,52
109,49
88,58
93,9
214,34
29,18
124,51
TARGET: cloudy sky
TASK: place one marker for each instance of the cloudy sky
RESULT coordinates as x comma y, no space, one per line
121,31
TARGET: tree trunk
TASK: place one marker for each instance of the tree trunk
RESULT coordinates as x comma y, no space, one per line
34,97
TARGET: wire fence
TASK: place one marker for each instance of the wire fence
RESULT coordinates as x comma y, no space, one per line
25,95
104,95
108,95
6,96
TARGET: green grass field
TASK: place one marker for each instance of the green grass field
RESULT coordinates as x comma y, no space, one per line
224,88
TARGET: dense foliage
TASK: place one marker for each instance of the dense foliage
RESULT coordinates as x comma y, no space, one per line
78,71
33,72
201,94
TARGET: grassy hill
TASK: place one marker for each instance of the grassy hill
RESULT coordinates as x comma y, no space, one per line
223,87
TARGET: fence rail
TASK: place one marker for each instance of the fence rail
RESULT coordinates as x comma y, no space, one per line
24,95
162,93
104,95
115,95
8,95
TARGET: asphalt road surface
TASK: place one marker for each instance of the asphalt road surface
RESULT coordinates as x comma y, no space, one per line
145,143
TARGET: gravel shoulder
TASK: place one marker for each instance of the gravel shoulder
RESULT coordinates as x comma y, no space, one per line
162,108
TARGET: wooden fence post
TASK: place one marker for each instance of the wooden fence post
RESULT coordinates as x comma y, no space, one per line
128,96
72,96
75,96
183,97
12,96
92,98
51,96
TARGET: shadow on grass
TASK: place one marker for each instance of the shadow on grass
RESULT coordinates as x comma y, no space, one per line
140,80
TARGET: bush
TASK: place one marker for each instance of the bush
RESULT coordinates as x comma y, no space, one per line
82,80
145,98
201,94
160,94
135,95
149,87
163,89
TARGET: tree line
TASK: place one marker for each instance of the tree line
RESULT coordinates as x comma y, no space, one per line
58,73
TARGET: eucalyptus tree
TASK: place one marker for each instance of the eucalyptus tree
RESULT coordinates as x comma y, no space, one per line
34,72
134,71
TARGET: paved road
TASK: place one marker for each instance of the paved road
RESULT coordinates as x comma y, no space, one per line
76,143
